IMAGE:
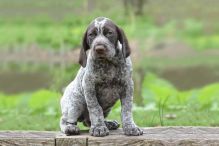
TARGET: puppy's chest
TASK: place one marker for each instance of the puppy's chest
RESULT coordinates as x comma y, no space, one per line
108,93
107,72
109,89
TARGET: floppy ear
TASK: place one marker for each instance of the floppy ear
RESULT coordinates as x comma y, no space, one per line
84,48
126,51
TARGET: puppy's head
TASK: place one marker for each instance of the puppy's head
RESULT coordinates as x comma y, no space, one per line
103,38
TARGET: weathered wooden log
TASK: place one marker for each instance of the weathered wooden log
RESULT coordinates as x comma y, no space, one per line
26,138
159,136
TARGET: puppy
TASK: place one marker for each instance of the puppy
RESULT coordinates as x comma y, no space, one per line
105,76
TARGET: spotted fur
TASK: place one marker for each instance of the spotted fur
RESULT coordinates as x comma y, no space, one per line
102,80
99,23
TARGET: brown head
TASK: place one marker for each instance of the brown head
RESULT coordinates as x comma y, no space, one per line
103,38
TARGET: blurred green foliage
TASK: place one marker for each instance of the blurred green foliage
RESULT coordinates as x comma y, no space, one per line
60,26
155,90
47,37
40,110
67,34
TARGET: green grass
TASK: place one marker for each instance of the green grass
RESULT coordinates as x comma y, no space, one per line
163,106
36,111
46,37
22,119
67,34
183,117
161,92
58,25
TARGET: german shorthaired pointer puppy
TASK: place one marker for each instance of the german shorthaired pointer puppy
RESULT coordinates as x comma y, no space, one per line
105,77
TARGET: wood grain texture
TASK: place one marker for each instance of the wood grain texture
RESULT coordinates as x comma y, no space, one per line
27,138
77,140
159,136
162,136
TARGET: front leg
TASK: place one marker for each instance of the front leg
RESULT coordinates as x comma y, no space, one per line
128,125
98,127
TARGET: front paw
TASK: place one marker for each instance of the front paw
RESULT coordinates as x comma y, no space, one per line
72,130
132,130
99,131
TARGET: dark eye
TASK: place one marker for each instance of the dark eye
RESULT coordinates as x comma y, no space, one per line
109,33
92,35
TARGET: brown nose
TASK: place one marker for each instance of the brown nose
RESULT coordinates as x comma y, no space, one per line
100,49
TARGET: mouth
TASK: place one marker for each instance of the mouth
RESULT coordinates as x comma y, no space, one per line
101,57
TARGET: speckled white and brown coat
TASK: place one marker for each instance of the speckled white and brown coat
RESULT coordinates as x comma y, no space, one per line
104,77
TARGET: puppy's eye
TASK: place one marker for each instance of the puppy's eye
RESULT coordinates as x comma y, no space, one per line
92,35
109,33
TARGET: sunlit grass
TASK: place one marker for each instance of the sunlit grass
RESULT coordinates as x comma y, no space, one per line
163,105
67,34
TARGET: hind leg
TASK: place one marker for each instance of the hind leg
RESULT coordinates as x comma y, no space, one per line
71,111
112,125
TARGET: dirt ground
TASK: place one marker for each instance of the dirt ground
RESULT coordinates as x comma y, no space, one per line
183,77
168,49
